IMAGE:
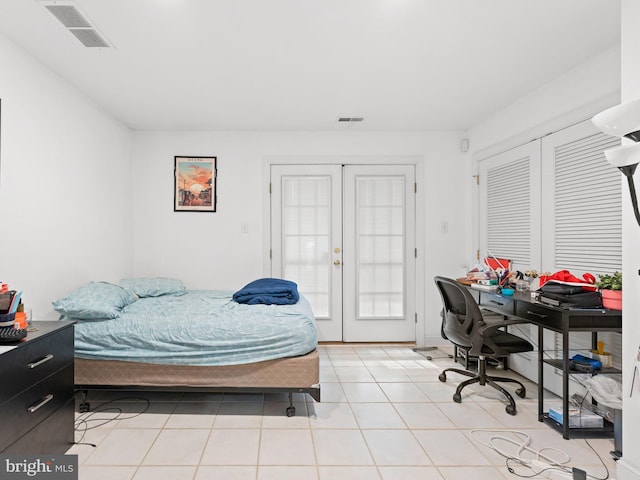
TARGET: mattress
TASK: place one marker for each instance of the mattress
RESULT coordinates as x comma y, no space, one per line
199,328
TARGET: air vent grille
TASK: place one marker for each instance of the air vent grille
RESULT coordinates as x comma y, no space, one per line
77,23
69,16
88,37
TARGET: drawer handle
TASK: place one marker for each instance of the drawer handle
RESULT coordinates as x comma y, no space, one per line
44,359
536,314
42,403
497,302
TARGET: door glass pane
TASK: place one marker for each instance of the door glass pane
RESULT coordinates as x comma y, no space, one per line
380,252
306,228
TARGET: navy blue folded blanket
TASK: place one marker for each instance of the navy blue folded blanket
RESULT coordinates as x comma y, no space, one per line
269,291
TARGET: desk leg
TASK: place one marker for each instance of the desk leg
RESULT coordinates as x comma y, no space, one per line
565,380
540,374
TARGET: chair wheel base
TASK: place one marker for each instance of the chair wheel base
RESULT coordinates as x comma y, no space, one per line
457,398
521,392
442,377
510,409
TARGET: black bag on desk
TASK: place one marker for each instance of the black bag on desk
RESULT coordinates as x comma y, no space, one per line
562,295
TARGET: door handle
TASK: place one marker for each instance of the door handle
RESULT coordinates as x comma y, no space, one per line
337,263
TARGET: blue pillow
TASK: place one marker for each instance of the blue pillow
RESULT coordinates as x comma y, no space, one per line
153,287
94,301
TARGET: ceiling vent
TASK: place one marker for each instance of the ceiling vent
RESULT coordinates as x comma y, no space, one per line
350,119
70,16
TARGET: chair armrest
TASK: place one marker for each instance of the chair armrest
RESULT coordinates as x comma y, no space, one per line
489,328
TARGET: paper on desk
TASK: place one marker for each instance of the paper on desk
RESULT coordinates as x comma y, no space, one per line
6,348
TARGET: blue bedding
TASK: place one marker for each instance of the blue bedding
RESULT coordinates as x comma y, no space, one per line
199,328
269,291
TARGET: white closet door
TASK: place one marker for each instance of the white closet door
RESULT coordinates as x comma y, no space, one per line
510,224
379,254
306,238
582,225
510,206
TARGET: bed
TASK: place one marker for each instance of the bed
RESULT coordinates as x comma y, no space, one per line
153,334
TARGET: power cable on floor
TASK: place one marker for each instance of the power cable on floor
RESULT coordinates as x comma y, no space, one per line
90,420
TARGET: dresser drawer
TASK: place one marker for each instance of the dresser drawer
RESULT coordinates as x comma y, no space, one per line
31,407
33,361
497,303
540,314
54,435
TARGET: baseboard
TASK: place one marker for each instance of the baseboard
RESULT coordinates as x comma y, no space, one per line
627,471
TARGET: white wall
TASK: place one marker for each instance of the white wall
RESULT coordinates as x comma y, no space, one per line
208,250
629,466
571,98
64,186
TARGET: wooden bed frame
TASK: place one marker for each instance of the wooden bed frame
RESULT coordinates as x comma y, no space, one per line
289,375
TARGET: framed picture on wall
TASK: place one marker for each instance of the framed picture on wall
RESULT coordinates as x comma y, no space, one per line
195,184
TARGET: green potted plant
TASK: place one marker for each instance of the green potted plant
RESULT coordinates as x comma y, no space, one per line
611,288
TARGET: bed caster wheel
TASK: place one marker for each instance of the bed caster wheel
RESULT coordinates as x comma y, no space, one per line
442,377
291,411
521,392
511,409
457,398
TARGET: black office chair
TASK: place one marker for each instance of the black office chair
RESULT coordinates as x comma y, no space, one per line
464,326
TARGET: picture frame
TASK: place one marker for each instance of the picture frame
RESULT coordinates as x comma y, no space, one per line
195,184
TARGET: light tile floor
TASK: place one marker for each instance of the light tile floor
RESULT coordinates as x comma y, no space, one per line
384,415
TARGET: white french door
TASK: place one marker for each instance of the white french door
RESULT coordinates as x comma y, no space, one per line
346,235
306,238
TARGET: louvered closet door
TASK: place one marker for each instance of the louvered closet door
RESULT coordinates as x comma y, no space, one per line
510,206
510,224
582,225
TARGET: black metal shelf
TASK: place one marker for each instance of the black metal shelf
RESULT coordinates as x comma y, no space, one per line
557,363
606,431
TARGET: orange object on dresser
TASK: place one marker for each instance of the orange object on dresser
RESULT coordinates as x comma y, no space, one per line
20,320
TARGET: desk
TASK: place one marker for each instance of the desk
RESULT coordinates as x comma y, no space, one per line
561,320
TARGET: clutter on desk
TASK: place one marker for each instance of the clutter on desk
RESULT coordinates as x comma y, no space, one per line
587,282
495,273
492,271
12,313
563,289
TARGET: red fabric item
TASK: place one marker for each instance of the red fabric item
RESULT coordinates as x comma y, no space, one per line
565,276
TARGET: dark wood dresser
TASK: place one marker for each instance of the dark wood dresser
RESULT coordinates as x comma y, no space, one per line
37,391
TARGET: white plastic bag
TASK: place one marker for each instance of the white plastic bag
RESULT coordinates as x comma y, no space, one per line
605,390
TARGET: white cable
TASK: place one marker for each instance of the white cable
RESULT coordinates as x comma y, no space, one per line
540,460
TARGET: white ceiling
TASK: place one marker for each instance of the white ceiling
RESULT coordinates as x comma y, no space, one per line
300,64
